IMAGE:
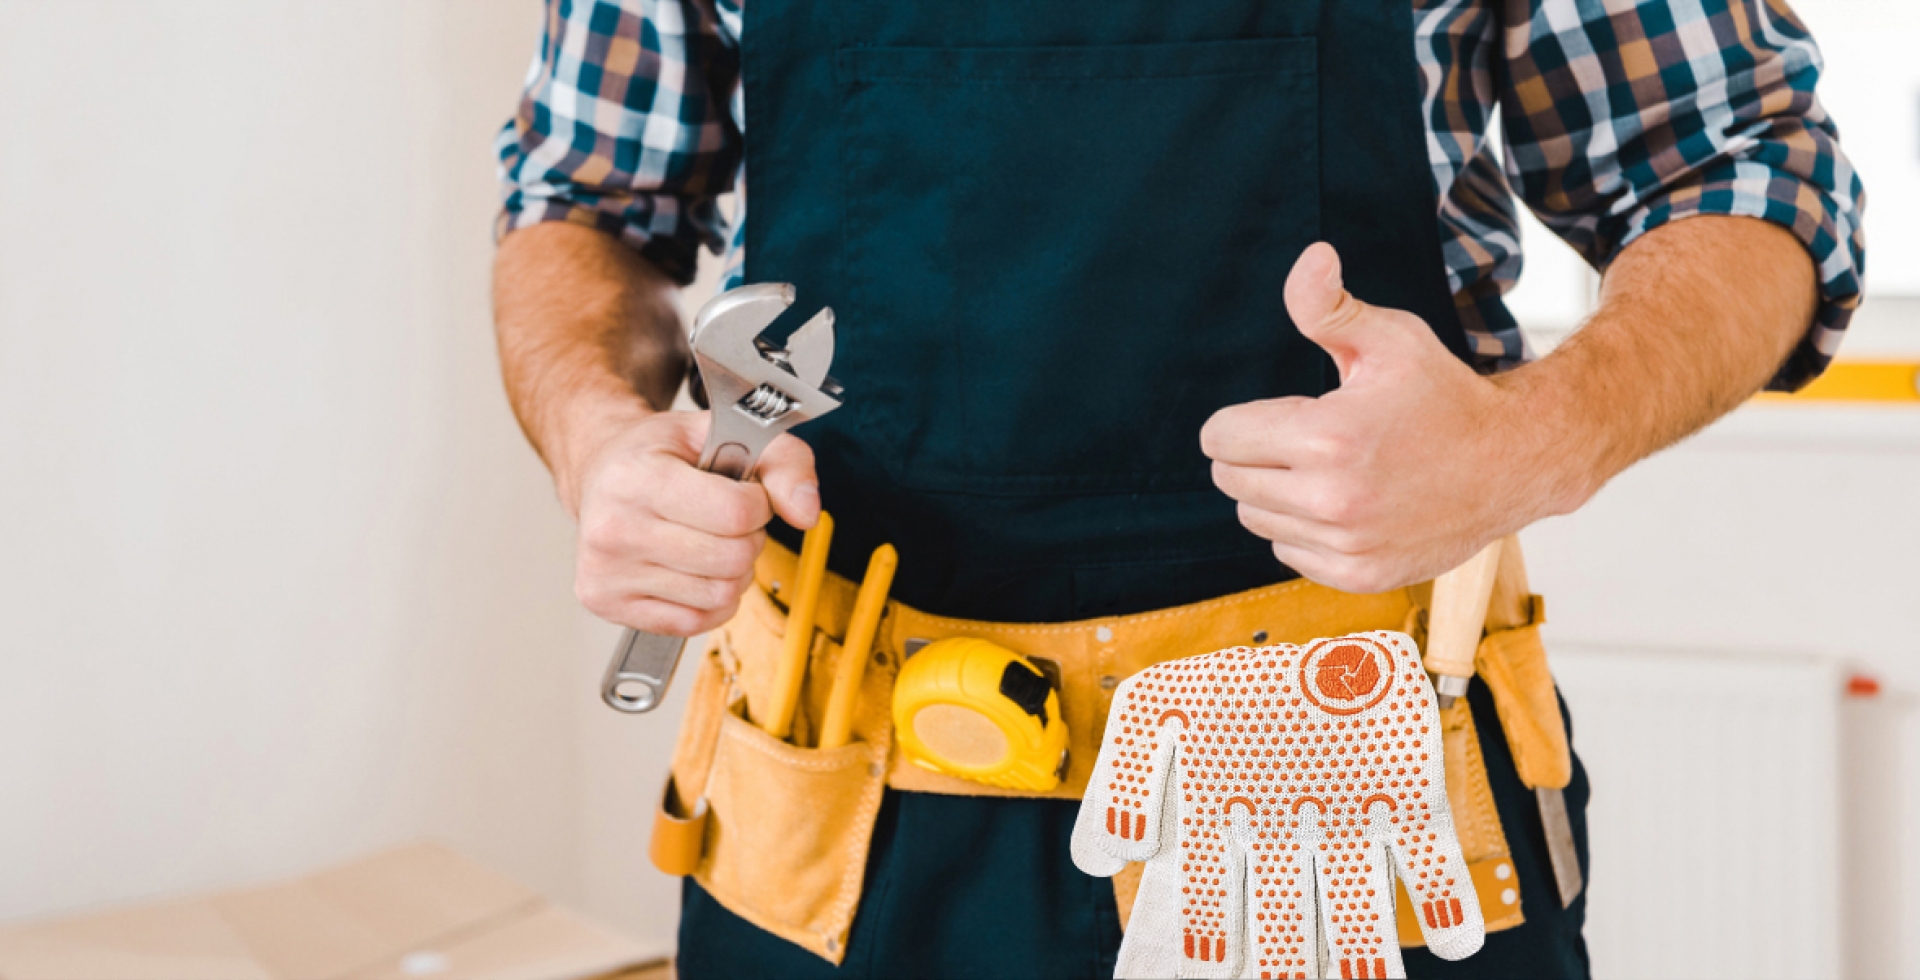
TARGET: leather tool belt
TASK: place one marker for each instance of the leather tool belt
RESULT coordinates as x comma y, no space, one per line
778,834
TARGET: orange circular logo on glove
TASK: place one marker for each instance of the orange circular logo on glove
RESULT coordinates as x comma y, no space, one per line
1346,676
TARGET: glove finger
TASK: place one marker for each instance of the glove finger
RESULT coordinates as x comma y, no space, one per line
1356,910
1425,850
1427,858
1151,945
1119,818
1282,926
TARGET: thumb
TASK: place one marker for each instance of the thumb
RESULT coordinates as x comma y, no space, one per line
1323,309
786,470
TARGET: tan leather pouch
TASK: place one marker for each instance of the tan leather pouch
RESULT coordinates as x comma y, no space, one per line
783,840
1513,665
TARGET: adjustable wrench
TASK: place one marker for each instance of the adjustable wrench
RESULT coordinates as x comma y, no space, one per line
758,390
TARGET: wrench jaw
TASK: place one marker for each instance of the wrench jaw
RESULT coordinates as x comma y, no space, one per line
758,389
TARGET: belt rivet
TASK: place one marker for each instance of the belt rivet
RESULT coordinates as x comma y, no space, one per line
1109,682
1104,634
1259,636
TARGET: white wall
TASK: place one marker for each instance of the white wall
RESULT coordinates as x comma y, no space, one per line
279,581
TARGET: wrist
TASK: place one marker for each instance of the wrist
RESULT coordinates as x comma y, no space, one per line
1562,449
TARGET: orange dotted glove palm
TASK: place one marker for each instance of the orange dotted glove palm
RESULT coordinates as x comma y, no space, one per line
1275,795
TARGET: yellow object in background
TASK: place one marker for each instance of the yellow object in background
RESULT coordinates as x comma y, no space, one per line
974,709
1859,381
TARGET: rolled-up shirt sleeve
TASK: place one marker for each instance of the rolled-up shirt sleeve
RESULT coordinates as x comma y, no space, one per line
625,125
1619,117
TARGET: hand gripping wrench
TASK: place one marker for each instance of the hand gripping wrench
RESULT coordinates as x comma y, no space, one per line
758,390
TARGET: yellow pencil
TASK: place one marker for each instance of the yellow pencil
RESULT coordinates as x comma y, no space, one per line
861,627
799,638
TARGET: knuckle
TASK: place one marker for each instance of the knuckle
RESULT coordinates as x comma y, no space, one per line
1331,505
656,618
1227,479
1250,518
1362,576
605,534
716,593
739,512
1354,540
791,451
630,476
1327,445
596,596
1410,325
717,618
737,555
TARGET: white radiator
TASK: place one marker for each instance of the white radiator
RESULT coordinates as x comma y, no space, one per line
1715,816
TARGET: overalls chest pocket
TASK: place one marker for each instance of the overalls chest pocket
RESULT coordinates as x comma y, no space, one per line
1061,260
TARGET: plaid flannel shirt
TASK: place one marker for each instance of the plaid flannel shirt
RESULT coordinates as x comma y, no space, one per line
1616,117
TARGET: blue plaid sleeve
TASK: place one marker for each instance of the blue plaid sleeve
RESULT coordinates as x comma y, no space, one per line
1621,117
628,123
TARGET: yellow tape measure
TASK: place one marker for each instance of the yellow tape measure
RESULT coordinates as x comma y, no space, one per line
974,709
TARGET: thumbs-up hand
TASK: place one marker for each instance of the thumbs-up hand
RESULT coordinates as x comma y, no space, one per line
1401,473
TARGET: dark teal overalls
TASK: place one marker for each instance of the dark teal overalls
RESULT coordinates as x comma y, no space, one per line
1055,234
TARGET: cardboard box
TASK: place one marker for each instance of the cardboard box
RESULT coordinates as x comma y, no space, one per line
413,913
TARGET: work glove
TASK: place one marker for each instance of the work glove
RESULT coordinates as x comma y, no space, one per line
1275,794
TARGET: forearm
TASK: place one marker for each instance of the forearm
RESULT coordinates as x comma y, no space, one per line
1694,318
589,336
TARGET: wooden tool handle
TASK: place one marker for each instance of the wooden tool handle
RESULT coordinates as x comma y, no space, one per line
1512,604
1459,613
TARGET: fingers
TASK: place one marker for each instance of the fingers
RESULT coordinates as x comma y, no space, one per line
1255,433
1330,540
622,544
786,471
706,502
1343,505
665,618
1320,305
1353,333
663,546
610,594
1347,573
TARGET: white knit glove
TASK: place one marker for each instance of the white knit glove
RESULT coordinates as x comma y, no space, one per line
1275,794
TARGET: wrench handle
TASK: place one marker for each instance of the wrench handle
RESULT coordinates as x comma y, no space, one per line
642,667
729,459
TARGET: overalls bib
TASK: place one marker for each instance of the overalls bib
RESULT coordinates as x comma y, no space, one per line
1055,234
